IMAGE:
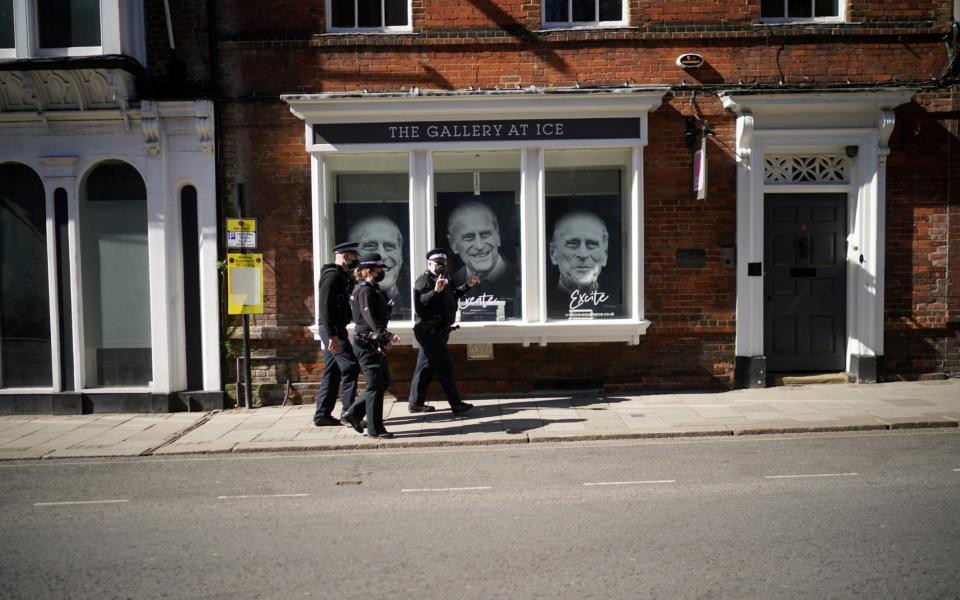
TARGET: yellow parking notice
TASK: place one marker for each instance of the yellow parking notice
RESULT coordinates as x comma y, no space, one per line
244,284
242,233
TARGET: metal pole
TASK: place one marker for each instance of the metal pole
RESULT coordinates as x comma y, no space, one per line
247,375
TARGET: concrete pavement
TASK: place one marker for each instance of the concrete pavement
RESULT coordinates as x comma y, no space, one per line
552,418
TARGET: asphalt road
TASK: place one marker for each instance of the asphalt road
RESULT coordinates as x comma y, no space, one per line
873,515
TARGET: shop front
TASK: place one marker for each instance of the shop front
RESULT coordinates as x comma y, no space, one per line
538,192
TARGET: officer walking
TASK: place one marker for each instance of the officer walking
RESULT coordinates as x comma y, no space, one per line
371,312
339,361
435,302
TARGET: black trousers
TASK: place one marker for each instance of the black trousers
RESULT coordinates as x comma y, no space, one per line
376,375
340,366
433,359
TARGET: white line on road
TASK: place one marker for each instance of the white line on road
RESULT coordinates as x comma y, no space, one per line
262,496
79,502
812,475
450,489
633,482
957,470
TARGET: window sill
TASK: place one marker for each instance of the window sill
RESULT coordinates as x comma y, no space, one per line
785,22
558,27
517,332
372,31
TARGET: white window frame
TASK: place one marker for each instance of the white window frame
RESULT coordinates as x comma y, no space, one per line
622,22
383,18
122,31
534,326
840,17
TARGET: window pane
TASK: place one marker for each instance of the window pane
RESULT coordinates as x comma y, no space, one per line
115,278
584,10
771,9
587,261
342,13
6,24
827,8
372,207
555,11
396,13
800,8
477,217
368,13
611,10
25,359
66,23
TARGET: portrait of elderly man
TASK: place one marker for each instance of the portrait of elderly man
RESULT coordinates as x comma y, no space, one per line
378,234
579,249
474,236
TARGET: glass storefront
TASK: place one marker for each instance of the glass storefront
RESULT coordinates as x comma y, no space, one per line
25,351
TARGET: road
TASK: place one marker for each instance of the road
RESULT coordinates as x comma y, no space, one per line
874,515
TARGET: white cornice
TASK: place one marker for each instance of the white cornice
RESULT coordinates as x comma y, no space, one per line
623,102
857,100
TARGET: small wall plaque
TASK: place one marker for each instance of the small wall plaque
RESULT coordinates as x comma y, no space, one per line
479,351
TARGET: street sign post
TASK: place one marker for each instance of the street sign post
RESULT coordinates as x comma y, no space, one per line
242,234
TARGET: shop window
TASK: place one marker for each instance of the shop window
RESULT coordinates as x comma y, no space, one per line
586,248
799,10
7,37
371,206
477,217
68,23
115,278
565,13
25,348
369,14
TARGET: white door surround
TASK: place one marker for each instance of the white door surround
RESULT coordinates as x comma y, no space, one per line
855,123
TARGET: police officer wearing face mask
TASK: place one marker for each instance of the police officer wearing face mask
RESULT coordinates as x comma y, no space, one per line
339,361
371,312
435,302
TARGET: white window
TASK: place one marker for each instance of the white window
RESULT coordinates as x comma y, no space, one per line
801,10
68,24
580,13
53,28
368,15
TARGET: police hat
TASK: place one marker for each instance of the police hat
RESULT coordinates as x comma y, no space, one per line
437,255
346,247
372,261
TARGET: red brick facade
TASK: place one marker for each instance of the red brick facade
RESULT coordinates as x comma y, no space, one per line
267,49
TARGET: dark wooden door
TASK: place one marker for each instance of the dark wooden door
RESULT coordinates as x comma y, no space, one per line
805,282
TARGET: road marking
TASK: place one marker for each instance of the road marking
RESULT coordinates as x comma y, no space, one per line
261,496
450,489
957,470
633,482
812,475
79,502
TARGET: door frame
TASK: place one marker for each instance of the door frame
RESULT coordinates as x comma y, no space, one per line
856,124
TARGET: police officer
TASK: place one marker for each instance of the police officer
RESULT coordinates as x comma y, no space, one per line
435,302
371,312
339,361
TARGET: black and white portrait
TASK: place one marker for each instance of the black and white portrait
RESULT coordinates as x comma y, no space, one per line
482,234
585,276
380,228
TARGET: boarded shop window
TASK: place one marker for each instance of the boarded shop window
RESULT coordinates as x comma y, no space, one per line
477,217
586,244
371,206
368,14
565,13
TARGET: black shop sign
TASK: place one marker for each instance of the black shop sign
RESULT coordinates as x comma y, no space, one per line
406,132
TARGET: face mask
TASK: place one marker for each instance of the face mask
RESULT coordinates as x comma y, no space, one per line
379,276
440,269
351,265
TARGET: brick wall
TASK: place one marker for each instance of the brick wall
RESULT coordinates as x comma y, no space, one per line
463,43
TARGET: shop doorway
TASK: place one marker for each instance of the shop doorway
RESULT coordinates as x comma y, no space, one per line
804,282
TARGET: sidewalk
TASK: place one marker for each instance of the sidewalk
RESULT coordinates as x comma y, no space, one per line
496,421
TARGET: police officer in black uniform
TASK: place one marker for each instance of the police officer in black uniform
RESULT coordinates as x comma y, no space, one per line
435,302
339,361
371,312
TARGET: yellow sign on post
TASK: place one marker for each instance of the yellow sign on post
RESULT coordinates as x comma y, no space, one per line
244,284
242,233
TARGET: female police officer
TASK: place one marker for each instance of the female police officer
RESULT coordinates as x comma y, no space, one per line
371,313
